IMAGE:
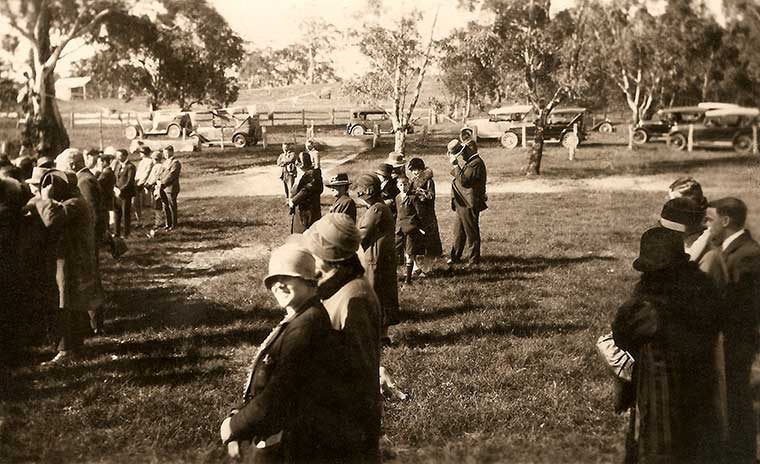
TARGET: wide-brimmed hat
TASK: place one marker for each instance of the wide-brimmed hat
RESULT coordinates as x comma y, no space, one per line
333,238
416,164
291,260
37,174
68,158
337,180
659,249
384,169
109,150
466,134
681,214
395,159
454,147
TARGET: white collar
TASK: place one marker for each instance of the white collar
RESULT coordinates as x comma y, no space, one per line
731,238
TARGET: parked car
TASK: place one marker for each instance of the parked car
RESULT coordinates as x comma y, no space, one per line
667,118
236,126
726,127
163,123
363,121
506,124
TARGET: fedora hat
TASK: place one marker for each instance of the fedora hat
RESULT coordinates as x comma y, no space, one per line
37,174
291,260
367,185
384,169
659,249
338,179
395,159
454,147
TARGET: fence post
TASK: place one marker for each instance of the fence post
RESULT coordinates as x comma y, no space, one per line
524,135
303,117
332,116
222,130
100,128
690,140
571,148
754,139
264,137
424,134
375,135
183,133
4,148
71,119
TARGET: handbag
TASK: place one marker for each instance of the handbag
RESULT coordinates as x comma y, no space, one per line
617,360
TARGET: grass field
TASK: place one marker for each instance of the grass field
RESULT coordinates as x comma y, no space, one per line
499,363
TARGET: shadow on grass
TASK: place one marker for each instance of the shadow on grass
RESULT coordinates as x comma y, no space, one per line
645,167
416,338
509,267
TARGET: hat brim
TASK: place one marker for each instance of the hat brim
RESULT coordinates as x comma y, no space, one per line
269,280
338,184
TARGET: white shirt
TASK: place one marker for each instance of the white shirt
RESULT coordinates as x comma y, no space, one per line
730,239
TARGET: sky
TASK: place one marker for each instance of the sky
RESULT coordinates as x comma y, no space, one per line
275,23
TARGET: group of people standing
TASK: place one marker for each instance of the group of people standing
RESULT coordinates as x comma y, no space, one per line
691,328
56,214
314,389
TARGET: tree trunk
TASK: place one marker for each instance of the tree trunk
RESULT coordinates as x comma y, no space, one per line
400,141
469,103
537,151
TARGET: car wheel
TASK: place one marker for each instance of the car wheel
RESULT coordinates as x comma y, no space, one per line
605,127
131,132
743,144
357,130
239,141
678,141
509,140
569,139
174,131
640,137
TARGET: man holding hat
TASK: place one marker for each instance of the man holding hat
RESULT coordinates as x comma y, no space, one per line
353,307
304,196
339,184
378,248
670,326
298,400
468,199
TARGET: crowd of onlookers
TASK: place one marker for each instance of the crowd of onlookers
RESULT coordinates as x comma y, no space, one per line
56,214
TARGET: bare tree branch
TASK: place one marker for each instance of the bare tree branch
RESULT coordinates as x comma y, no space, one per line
423,68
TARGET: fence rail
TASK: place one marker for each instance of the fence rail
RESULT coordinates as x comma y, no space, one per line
303,117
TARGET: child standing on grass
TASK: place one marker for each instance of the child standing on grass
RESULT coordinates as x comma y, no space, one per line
409,236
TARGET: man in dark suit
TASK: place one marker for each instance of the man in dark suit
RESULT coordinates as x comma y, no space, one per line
107,182
725,219
468,199
169,187
125,190
304,197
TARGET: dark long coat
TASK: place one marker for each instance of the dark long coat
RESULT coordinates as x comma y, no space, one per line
346,205
107,181
90,189
303,386
424,188
468,187
670,325
378,255
305,197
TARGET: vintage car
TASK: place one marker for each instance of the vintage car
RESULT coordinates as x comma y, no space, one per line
162,123
363,121
506,124
724,127
665,119
236,126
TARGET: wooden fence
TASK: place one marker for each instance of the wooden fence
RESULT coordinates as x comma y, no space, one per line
302,117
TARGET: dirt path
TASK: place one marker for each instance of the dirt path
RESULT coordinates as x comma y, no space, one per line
265,180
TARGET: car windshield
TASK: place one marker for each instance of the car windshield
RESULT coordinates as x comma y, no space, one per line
507,117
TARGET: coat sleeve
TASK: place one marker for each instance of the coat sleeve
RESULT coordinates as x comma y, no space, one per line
368,227
635,324
472,174
313,186
265,413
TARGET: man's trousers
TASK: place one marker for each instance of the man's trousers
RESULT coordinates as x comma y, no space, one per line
466,232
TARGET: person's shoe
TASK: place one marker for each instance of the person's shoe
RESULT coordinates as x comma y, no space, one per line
151,233
62,357
452,261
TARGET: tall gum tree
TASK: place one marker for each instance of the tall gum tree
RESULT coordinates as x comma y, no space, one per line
49,27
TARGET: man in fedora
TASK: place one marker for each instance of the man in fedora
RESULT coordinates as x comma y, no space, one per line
124,192
168,186
725,219
468,199
339,184
388,188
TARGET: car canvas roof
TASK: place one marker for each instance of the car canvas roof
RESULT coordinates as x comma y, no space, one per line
735,111
569,109
716,105
368,109
683,109
510,109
